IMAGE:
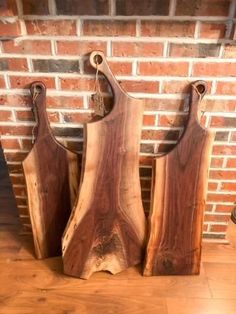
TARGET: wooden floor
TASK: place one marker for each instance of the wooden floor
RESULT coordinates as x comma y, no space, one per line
29,286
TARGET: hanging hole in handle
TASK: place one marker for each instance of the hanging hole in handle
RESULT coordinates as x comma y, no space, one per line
38,89
97,59
201,89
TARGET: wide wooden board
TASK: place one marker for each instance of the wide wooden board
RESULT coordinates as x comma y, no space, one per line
51,174
106,230
178,199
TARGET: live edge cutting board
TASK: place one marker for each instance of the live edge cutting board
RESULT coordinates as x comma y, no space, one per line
51,174
178,199
107,227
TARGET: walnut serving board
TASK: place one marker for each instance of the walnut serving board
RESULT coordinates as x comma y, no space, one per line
178,199
51,174
106,230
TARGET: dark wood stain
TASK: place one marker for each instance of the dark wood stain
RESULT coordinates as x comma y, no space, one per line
47,176
178,200
109,217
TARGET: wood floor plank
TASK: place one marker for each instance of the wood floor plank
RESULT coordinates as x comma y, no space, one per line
200,306
29,286
222,279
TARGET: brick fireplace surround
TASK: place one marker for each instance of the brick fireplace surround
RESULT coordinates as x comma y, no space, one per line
155,48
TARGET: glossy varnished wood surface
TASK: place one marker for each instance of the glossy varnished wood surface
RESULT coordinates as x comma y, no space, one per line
106,230
36,286
178,199
51,174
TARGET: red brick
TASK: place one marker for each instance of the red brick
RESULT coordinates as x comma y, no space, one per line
42,47
132,49
81,84
25,115
14,100
13,64
205,227
20,191
140,7
214,69
9,29
172,87
203,8
51,65
164,68
224,150
25,81
146,161
2,82
230,51
35,7
223,122
172,120
216,218
233,136
216,162
15,130
212,186
149,120
226,88
145,184
222,175
224,208
164,104
10,143
118,68
51,27
81,7
194,50
218,228
77,117
27,144
218,105
19,156
231,163
212,30
79,48
214,197
160,135
229,186
71,102
6,115
222,136
109,28
167,29
140,86
17,179
8,8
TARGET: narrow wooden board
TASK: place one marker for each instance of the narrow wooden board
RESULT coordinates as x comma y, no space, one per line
52,175
107,227
178,199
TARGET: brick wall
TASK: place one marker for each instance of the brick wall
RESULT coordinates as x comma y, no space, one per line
155,48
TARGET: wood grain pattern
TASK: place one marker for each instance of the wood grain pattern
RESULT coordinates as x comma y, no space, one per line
51,174
178,199
107,227
29,286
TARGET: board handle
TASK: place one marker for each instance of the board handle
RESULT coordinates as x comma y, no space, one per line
38,94
199,89
98,61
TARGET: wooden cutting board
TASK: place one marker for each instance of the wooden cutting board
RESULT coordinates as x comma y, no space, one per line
51,174
178,199
107,227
